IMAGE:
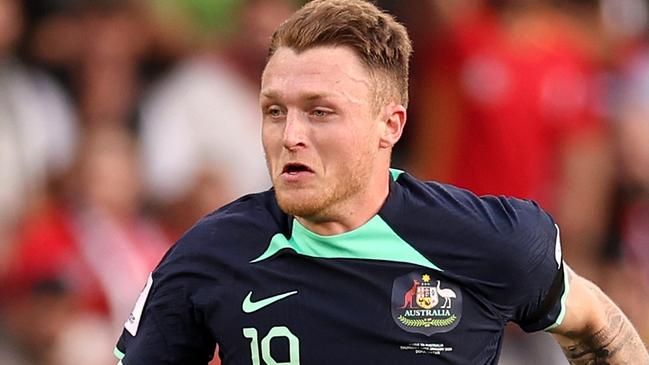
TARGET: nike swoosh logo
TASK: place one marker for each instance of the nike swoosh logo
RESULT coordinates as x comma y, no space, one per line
249,306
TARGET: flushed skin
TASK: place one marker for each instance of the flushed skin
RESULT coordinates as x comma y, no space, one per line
318,112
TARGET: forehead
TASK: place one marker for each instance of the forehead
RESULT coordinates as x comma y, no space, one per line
324,69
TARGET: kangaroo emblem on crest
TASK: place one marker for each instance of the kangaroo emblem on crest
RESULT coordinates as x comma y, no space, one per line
407,298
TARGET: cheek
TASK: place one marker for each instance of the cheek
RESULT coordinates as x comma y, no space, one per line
342,146
269,138
358,141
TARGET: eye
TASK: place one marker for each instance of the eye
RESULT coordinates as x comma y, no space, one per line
320,113
274,111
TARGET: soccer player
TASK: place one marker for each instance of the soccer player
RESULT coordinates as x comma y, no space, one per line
346,261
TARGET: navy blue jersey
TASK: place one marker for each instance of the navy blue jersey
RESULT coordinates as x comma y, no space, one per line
431,279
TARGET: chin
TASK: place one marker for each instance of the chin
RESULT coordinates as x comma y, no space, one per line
299,203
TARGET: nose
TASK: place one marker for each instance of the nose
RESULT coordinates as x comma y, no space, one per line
294,130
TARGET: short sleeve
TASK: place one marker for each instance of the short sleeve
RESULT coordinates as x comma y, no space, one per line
522,271
534,269
165,325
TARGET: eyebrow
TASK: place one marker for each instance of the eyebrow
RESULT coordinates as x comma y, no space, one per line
309,96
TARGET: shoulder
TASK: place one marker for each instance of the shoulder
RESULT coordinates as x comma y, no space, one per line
498,216
506,249
231,235
499,230
29,82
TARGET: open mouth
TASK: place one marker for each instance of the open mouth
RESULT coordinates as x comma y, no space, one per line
295,168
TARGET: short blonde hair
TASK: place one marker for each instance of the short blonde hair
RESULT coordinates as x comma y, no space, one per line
381,43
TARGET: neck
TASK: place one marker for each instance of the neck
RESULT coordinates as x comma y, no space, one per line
353,212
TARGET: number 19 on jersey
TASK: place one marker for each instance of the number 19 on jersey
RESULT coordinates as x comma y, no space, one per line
266,356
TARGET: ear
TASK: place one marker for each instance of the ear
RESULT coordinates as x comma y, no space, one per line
392,123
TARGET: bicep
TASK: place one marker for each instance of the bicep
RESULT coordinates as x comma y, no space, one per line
595,330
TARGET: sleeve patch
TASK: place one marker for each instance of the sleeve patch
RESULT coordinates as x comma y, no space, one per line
133,321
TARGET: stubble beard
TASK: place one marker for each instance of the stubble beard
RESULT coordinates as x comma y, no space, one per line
321,203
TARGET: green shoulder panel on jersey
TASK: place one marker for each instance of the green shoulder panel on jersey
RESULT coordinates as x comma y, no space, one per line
395,173
374,240
118,354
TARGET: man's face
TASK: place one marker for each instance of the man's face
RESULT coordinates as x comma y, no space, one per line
320,132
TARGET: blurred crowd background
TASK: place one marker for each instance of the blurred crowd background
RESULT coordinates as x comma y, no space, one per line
124,121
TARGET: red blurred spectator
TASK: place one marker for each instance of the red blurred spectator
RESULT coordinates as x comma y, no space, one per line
38,128
507,107
89,256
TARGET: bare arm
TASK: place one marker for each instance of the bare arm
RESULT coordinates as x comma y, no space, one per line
595,331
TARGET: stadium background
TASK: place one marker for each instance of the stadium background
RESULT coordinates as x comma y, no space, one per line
122,122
